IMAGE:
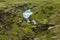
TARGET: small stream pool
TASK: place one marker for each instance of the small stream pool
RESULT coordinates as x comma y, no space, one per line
27,14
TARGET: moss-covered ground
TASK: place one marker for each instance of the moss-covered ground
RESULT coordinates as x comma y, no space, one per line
14,27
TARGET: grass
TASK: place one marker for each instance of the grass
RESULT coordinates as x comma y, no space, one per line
25,30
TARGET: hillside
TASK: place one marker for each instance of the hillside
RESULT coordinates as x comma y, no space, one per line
13,26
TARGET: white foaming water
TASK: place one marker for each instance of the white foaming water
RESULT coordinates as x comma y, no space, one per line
27,13
34,21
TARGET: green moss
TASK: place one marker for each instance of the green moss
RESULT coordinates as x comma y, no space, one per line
14,27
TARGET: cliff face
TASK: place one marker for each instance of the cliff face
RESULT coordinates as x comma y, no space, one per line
13,26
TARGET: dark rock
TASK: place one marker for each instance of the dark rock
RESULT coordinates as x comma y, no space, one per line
44,27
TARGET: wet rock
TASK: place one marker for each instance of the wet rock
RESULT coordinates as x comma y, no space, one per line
44,27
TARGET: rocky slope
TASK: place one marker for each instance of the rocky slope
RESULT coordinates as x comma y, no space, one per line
14,27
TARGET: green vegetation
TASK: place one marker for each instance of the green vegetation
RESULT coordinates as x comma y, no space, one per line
14,27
